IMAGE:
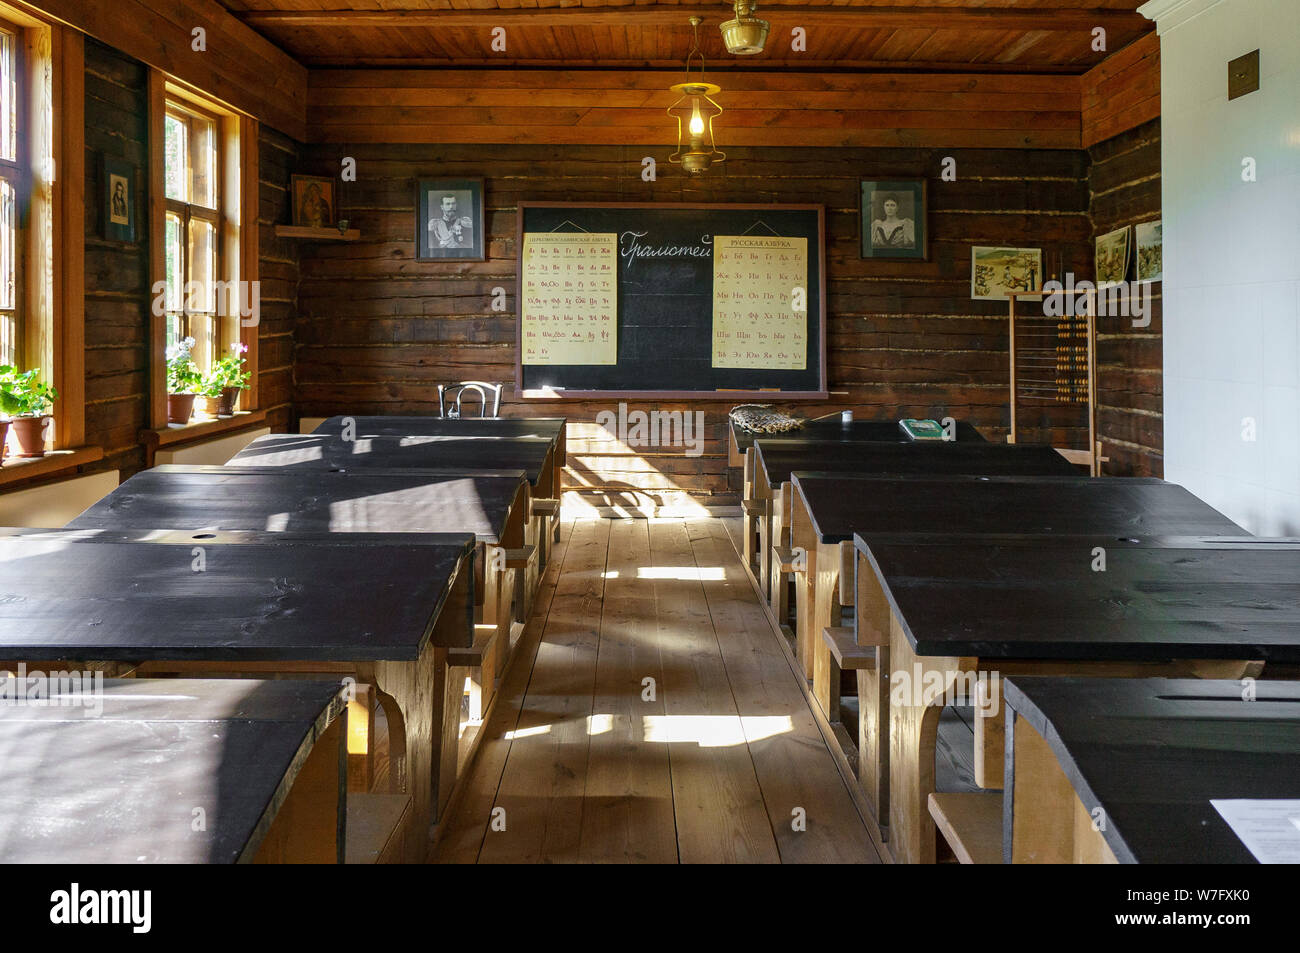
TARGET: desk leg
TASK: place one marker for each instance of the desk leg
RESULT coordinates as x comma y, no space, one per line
872,624
826,675
413,696
919,688
803,543
1054,826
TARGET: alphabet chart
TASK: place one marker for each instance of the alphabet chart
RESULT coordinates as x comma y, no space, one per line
760,302
570,302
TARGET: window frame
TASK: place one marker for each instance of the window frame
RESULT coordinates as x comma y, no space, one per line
236,236
18,173
187,212
52,221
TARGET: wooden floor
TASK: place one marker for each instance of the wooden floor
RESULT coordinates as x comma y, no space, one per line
651,716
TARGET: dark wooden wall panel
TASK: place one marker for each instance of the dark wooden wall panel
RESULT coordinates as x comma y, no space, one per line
376,330
277,159
1124,182
117,273
118,296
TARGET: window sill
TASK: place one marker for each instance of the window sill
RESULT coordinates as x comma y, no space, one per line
174,434
54,462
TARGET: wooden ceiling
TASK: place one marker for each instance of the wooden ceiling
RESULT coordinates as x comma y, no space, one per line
1029,36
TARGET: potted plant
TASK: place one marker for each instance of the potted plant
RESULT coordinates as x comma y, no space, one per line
26,400
222,384
183,381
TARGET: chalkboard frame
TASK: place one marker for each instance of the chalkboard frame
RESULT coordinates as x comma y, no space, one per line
729,395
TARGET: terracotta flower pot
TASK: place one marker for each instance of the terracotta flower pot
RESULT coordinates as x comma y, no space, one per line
28,436
226,402
4,433
180,407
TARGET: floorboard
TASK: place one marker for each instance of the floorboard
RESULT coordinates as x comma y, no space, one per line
651,716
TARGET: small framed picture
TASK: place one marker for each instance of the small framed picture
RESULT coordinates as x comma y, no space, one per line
119,200
894,219
996,273
449,220
1112,257
1150,246
313,201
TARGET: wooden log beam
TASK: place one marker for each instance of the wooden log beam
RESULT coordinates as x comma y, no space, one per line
1056,20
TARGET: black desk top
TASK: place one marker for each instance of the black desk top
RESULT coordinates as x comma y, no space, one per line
121,788
547,428
1038,597
135,595
276,499
843,504
1153,752
859,431
395,452
780,458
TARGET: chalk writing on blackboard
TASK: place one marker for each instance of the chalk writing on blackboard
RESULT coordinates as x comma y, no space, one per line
569,298
755,323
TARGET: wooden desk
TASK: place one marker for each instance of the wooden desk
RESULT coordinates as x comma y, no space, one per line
537,456
957,610
380,608
828,508
1142,758
491,504
774,461
833,429
261,760
538,428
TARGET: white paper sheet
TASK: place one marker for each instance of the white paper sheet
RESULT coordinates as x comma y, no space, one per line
1269,829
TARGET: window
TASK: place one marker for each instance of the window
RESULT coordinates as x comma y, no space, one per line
12,166
194,226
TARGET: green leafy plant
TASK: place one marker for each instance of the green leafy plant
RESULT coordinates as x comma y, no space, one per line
24,395
183,375
227,372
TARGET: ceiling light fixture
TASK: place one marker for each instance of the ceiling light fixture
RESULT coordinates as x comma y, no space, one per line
696,106
747,33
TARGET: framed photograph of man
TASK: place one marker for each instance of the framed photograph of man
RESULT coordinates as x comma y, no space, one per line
893,219
998,272
119,200
449,220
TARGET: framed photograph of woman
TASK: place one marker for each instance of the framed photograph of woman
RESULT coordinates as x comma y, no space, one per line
1112,257
893,219
449,220
313,201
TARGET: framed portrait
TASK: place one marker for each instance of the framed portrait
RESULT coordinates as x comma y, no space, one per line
449,220
1150,251
998,272
119,200
313,201
893,219
1112,257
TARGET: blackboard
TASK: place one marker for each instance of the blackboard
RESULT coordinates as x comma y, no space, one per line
665,303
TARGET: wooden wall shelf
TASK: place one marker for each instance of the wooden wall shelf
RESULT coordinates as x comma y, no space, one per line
317,234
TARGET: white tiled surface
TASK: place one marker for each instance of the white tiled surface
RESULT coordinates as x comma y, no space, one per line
1232,263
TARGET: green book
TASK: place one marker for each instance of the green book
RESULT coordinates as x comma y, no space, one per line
921,429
